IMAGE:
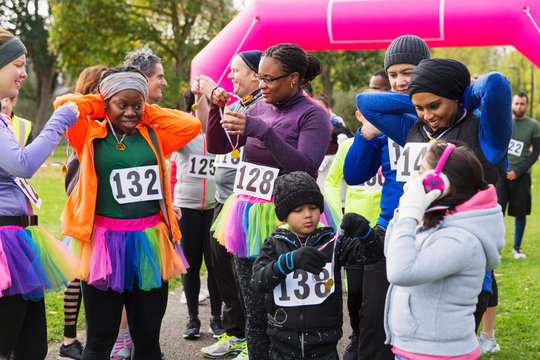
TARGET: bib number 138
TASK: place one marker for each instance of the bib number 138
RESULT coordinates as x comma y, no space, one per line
303,288
136,184
255,180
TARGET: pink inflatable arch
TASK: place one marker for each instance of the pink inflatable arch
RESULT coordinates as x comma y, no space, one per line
372,24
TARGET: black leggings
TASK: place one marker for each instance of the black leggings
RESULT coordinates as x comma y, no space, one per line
355,279
23,328
72,304
195,228
145,310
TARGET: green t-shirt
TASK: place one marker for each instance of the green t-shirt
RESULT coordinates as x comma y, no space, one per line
137,181
519,149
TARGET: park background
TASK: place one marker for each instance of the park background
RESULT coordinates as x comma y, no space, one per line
65,36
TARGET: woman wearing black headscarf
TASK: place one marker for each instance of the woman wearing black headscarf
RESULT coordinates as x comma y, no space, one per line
436,89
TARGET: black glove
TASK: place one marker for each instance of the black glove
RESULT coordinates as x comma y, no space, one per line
306,258
355,226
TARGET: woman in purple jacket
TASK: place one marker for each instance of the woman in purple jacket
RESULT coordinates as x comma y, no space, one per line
287,131
31,260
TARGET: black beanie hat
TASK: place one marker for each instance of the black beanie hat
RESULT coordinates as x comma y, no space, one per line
406,49
252,59
443,77
293,190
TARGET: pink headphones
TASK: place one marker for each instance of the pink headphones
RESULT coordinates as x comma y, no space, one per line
433,181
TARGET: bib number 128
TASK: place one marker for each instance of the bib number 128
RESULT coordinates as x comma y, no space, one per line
255,180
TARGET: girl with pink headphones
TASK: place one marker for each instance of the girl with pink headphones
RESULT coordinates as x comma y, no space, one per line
447,230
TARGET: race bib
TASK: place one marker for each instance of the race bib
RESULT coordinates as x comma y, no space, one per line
29,191
201,166
410,160
515,147
375,183
227,161
325,162
136,184
394,151
303,288
255,180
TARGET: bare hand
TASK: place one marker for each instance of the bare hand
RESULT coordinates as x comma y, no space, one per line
511,175
369,131
206,85
73,107
220,97
177,213
234,123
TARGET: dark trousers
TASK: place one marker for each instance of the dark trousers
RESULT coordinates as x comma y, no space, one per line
234,318
195,228
145,310
258,341
23,329
355,279
372,336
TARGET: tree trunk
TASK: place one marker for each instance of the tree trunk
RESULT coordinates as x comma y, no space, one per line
46,84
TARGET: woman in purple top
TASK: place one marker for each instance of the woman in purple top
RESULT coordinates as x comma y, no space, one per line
287,131
31,260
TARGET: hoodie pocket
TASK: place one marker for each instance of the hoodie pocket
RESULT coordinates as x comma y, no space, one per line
402,321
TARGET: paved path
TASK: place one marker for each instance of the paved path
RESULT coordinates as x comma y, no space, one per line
176,348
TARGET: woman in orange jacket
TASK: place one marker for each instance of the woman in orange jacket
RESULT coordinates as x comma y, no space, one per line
121,212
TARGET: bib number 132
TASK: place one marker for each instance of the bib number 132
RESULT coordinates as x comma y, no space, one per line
255,180
136,184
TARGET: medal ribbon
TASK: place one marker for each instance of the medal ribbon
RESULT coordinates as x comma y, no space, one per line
114,134
334,240
432,139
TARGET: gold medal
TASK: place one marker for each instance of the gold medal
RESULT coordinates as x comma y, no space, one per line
328,284
432,140
64,170
235,154
121,146
194,107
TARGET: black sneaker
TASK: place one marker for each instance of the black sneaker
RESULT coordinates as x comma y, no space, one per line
351,352
216,327
72,351
193,329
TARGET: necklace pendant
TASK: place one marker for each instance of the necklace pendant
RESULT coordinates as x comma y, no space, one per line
121,146
328,284
194,107
64,170
235,154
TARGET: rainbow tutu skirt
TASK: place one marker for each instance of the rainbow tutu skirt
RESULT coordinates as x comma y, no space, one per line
33,261
246,221
127,252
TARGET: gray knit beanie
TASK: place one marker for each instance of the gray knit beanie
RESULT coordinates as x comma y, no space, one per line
406,49
293,190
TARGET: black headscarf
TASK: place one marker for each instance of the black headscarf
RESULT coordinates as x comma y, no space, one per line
443,77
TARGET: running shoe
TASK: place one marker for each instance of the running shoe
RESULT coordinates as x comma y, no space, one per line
193,329
72,351
226,345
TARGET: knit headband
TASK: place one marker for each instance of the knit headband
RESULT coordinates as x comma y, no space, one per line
10,50
117,82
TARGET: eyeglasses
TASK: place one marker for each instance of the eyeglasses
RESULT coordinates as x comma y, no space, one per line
267,80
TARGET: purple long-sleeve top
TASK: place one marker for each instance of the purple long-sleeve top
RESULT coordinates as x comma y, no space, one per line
23,162
292,135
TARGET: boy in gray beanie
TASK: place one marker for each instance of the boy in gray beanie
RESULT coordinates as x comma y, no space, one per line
298,269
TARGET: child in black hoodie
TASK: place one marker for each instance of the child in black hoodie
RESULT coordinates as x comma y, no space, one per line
299,269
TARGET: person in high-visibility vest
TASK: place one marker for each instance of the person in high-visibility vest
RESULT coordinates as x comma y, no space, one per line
22,127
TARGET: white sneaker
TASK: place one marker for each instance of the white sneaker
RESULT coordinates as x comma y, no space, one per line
488,344
226,345
203,294
518,254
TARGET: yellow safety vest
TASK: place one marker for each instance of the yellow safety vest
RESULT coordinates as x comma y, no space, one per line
22,128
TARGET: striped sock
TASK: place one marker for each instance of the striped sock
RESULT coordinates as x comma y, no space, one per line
119,344
127,338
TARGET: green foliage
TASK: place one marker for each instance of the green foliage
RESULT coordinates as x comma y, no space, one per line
345,70
88,32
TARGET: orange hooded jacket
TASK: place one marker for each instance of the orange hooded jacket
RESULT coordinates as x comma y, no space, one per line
173,129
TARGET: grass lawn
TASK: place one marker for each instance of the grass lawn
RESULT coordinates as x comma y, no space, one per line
518,320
